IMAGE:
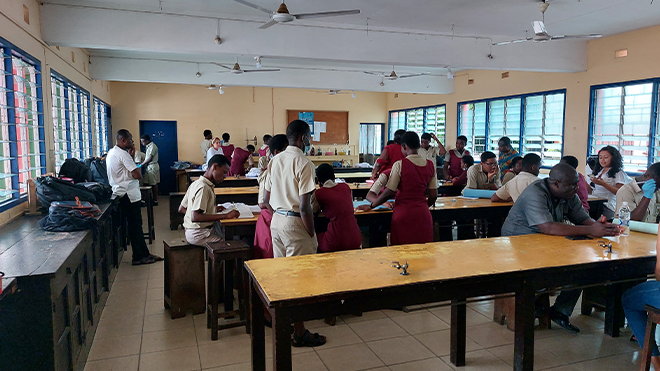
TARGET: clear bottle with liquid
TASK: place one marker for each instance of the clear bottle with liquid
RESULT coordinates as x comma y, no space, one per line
624,217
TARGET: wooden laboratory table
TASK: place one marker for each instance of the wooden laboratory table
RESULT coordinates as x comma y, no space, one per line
362,280
354,177
230,181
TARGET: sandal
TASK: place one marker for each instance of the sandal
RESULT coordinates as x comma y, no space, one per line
308,340
156,258
147,260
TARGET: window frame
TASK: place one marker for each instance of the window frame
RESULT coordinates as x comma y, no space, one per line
10,51
382,136
97,150
390,133
654,116
523,108
80,133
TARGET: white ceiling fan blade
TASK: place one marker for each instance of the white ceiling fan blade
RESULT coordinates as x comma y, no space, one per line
375,73
326,14
221,71
266,25
221,65
539,28
253,6
413,75
561,37
512,42
263,70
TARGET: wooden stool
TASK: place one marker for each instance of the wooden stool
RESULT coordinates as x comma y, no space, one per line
229,254
649,338
184,278
147,196
505,309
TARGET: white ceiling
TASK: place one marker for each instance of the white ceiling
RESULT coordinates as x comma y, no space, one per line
152,40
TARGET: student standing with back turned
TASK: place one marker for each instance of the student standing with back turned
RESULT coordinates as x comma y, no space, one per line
150,163
206,144
288,195
410,179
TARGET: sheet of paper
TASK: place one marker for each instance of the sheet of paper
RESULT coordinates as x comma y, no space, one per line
316,137
242,208
320,126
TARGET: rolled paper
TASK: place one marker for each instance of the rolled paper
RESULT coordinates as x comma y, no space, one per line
478,193
650,228
365,202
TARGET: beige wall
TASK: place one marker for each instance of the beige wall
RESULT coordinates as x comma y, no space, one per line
641,63
69,62
259,110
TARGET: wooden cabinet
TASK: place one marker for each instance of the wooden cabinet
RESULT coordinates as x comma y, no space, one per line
64,280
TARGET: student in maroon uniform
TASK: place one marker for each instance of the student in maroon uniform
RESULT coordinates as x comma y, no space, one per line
390,154
241,155
452,167
410,179
263,151
466,162
263,242
227,148
336,203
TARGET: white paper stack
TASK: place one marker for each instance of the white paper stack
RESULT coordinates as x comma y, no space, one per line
244,209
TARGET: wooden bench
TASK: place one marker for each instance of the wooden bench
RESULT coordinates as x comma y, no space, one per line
505,309
227,255
184,278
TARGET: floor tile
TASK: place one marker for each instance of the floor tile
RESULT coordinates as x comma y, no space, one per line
120,326
542,358
480,360
115,347
586,346
431,364
123,310
163,321
366,316
614,363
349,358
230,334
338,335
184,359
438,342
170,339
153,307
472,317
377,329
155,294
400,350
419,322
131,273
129,363
225,353
490,335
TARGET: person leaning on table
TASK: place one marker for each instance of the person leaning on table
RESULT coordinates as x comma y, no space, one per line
543,207
643,201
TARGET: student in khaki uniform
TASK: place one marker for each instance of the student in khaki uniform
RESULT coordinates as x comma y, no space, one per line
428,151
150,163
643,201
198,205
531,165
288,196
206,144
484,175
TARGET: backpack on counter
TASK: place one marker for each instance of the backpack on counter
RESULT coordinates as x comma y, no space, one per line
51,189
99,171
76,170
102,192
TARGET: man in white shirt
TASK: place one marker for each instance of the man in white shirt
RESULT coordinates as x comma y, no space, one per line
206,144
124,176
531,165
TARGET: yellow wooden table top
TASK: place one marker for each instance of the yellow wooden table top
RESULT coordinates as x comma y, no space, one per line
308,276
353,175
236,190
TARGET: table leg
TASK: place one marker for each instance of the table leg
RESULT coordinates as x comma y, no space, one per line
217,271
523,353
458,329
281,341
258,335
210,289
613,309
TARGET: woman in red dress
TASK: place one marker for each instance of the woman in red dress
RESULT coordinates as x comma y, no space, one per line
227,148
410,179
336,203
390,154
241,155
263,242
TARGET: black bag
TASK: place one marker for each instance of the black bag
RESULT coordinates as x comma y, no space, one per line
102,192
76,170
51,189
99,171
66,219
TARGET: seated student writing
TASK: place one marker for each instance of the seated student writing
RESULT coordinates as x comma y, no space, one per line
529,173
466,162
411,179
198,205
241,155
336,202
484,175
643,201
516,167
263,243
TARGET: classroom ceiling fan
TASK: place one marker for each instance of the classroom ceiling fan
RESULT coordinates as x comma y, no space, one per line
282,14
333,92
393,76
540,33
236,69
217,87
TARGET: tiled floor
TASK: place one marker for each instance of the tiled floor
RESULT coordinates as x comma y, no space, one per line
136,333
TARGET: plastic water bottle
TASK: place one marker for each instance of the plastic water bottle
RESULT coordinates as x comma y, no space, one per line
624,216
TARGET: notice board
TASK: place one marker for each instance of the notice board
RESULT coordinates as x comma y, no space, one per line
336,124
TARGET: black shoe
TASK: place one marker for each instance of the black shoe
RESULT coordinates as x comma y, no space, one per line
563,321
155,203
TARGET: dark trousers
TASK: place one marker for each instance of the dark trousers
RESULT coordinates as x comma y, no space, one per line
131,213
566,301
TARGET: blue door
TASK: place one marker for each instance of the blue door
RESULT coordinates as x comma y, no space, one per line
163,134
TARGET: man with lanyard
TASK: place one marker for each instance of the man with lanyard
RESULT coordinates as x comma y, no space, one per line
543,207
507,153
150,163
124,177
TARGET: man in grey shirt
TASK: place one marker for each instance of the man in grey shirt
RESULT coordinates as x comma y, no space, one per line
542,208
